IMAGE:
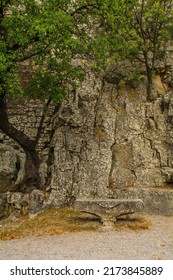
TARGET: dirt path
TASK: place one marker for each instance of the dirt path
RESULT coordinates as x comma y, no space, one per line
153,243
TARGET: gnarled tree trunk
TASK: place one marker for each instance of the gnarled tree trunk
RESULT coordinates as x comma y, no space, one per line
31,179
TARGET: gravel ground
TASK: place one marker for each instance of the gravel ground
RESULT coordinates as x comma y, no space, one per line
151,244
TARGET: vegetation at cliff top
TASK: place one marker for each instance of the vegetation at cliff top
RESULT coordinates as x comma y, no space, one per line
138,31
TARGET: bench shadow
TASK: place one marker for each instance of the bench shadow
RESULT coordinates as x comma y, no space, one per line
130,221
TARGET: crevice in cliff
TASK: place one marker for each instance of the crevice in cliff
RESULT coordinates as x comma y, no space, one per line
40,127
156,152
96,107
110,186
72,192
134,173
48,144
50,162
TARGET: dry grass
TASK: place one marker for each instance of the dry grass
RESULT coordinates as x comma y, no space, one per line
57,221
52,221
135,224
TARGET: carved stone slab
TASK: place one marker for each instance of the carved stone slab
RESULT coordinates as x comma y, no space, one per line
108,210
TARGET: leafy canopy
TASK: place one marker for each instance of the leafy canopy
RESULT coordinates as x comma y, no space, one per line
49,32
53,32
137,29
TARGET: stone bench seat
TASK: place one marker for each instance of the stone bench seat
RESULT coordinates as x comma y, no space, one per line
108,210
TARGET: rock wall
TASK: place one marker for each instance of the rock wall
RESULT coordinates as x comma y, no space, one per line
110,137
106,140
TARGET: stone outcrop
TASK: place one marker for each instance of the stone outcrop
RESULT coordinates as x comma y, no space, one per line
109,137
30,203
105,141
158,201
11,166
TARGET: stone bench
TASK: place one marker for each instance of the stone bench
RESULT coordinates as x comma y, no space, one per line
108,210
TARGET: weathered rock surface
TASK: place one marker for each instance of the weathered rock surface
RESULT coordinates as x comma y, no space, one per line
11,166
112,138
157,201
107,138
30,203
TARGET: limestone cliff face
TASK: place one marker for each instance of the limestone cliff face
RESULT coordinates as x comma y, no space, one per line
109,137
106,140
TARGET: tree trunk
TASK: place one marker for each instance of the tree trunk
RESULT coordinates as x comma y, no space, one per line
149,72
31,179
150,94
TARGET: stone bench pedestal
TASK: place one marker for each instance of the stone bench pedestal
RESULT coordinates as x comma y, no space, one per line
108,210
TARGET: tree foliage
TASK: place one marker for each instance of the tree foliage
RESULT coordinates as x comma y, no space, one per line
47,31
137,30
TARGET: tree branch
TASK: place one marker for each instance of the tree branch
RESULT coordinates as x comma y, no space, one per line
10,130
84,7
40,128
